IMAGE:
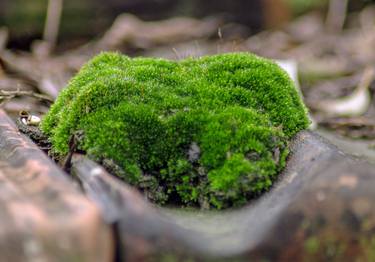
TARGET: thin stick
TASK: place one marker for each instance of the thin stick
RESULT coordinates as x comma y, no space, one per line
220,35
3,37
51,28
7,95
367,78
336,16
178,57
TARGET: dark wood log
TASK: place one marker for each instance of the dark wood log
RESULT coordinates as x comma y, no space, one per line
43,217
320,209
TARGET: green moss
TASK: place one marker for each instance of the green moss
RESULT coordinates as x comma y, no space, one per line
312,245
368,248
210,131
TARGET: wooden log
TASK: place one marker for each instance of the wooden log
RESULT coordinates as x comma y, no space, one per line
143,233
320,209
43,217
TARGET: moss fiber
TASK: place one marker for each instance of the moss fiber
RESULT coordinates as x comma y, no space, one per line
209,131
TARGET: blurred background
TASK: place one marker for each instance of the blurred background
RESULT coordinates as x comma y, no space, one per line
326,45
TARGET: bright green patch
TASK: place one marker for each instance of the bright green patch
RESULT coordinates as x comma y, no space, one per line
210,131
312,245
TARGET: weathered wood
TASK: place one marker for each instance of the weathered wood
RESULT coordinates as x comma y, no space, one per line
43,217
143,232
321,209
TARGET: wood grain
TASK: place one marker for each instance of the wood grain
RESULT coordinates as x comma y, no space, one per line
43,217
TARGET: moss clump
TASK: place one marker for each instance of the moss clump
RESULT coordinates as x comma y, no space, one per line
210,131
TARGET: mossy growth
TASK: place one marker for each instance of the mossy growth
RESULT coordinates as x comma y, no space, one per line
209,131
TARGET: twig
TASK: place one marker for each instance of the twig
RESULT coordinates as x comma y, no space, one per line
7,95
74,141
220,35
51,29
336,15
3,38
178,57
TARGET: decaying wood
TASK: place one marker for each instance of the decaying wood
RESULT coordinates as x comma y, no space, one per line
143,233
43,217
323,196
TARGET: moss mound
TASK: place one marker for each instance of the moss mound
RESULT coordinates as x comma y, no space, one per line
211,131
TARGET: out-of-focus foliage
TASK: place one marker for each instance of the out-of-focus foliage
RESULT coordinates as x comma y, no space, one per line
302,6
86,19
26,16
26,19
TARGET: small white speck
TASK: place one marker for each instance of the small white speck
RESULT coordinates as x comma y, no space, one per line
96,171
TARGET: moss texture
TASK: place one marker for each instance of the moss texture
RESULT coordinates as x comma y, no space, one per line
210,131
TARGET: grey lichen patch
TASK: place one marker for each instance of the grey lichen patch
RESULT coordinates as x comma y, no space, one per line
211,131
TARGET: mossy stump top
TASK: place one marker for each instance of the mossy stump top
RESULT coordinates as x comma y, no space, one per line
210,131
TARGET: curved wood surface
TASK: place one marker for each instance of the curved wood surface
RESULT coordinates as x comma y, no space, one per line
320,209
43,217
